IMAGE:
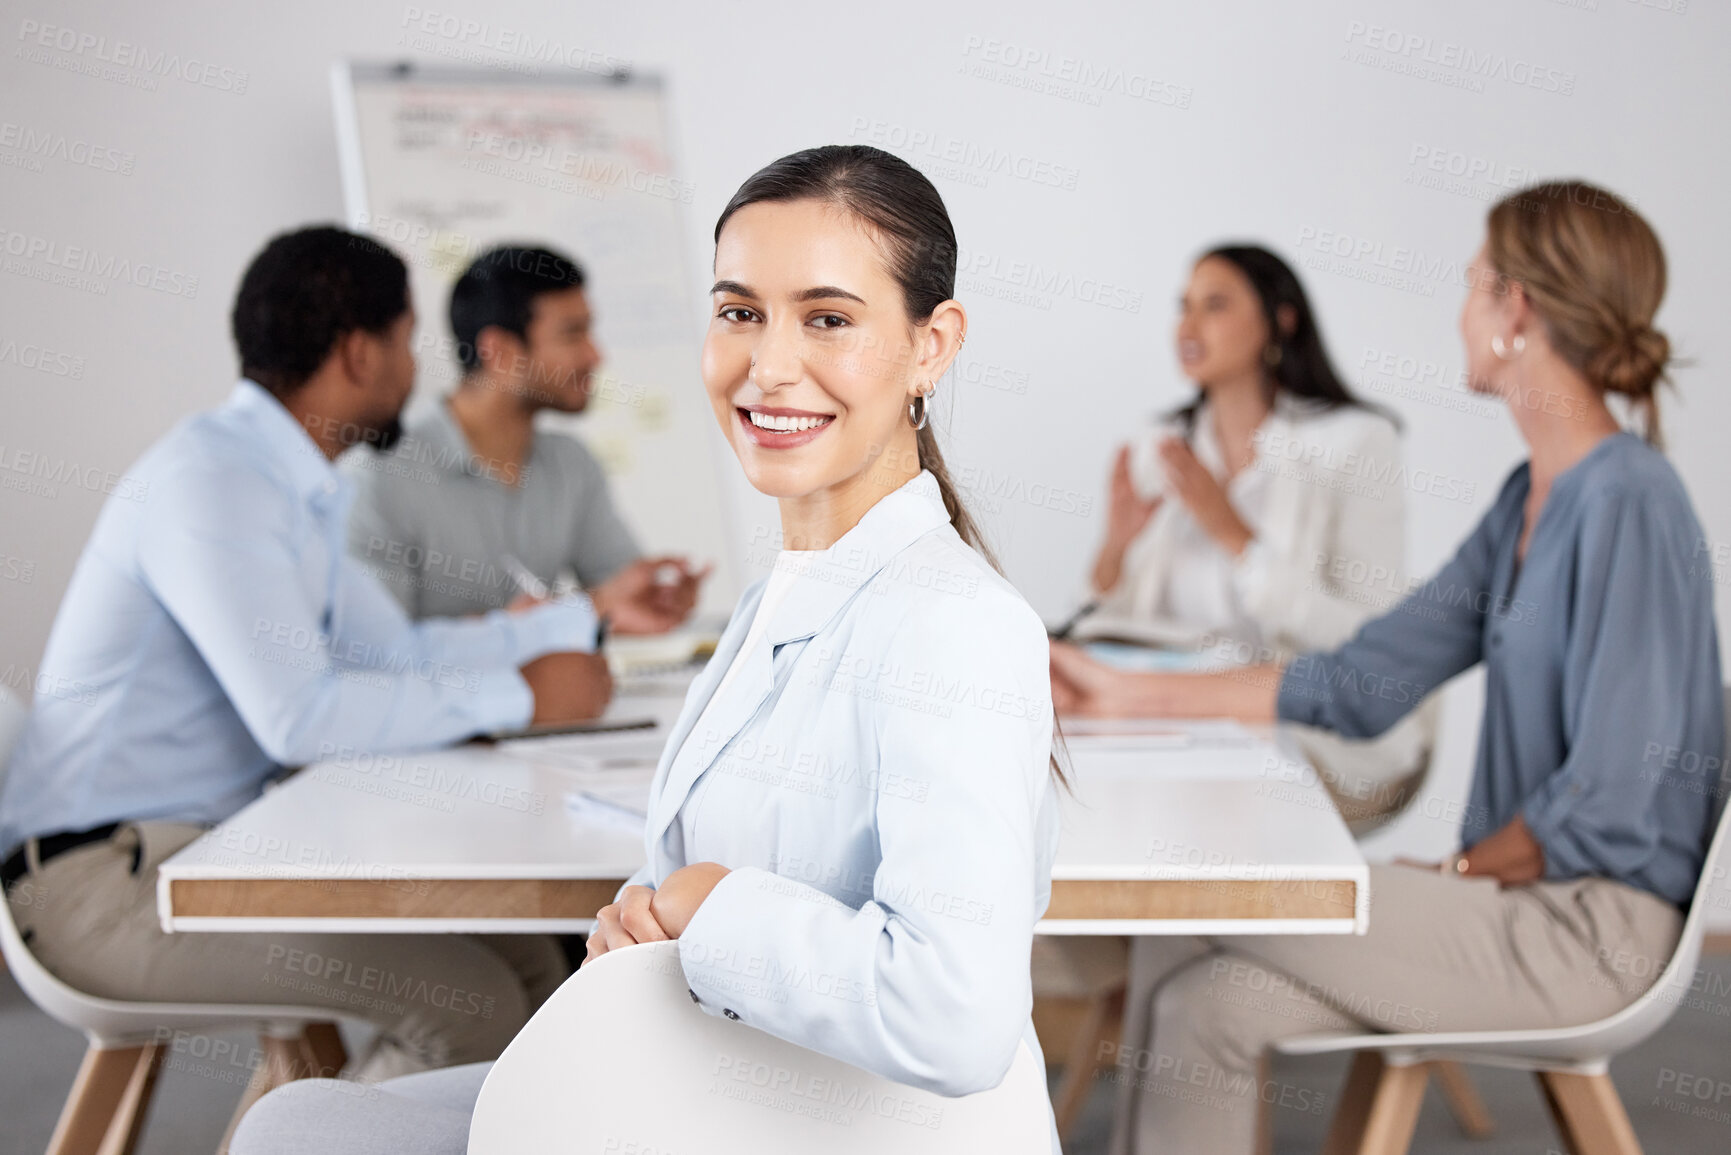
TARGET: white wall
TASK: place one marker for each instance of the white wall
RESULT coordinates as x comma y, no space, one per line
1230,119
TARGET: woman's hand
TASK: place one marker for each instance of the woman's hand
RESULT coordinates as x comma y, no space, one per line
682,892
625,923
1083,687
1127,514
1204,496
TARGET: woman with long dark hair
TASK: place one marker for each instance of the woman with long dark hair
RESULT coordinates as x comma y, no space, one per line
1266,516
1227,519
860,786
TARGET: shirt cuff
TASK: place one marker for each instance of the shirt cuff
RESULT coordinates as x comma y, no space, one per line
503,702
1548,821
550,628
1302,696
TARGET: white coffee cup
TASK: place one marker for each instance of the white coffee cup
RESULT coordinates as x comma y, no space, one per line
1147,470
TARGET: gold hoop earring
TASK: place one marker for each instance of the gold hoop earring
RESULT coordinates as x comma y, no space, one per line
1519,345
1271,354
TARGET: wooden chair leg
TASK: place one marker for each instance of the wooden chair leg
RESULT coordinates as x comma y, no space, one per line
1378,1107
128,1122
1589,1114
110,1094
1469,1110
282,1061
322,1050
1264,1141
1102,1026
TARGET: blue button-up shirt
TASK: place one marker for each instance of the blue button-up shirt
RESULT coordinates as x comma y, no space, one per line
1604,722
215,630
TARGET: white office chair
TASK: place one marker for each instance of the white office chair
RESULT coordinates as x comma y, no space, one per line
620,1055
128,1041
1385,1087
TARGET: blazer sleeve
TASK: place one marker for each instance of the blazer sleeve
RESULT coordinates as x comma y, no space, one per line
927,982
1316,599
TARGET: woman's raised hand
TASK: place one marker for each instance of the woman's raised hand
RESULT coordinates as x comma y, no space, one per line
1127,513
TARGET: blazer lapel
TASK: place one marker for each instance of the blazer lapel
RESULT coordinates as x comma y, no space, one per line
824,583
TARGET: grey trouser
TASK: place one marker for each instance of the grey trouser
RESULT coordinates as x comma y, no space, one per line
90,918
1442,954
426,1114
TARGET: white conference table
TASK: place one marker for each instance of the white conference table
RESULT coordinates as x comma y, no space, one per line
1172,829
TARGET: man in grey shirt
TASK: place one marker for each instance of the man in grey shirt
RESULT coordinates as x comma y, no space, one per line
474,494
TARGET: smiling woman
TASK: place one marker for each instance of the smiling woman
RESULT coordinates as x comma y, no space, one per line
852,826
832,320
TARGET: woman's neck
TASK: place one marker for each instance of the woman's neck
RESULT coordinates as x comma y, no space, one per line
1559,415
1238,406
817,520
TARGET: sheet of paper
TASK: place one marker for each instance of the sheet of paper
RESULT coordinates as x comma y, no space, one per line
625,751
1156,734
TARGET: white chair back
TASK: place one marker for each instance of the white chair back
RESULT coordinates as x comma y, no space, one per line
13,715
1589,1045
620,1059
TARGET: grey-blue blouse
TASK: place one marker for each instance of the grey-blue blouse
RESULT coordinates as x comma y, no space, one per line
1604,718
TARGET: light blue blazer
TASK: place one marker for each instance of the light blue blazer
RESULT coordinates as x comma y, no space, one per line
876,778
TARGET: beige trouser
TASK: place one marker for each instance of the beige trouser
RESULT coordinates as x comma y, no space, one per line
437,999
1442,954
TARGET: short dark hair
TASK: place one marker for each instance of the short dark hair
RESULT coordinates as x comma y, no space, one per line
306,291
500,287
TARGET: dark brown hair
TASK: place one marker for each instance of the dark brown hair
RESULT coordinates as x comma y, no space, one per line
908,217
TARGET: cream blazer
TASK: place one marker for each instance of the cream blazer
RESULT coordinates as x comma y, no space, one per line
1329,555
876,779
1330,546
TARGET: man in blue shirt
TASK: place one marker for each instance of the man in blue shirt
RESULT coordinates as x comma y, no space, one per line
215,631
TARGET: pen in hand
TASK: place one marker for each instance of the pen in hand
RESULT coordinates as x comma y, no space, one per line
561,592
1075,619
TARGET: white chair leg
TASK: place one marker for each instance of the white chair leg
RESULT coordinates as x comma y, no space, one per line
1589,1114
105,1109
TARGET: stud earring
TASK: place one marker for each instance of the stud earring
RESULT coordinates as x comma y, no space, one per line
1518,345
